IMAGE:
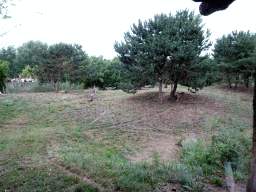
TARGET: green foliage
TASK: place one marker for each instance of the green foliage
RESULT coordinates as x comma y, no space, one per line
9,54
4,66
62,59
179,142
103,73
128,88
229,145
204,72
24,177
10,108
28,72
44,87
163,48
4,10
30,53
234,55
86,188
74,86
75,67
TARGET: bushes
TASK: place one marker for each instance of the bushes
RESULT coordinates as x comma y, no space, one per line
74,86
128,88
45,87
229,145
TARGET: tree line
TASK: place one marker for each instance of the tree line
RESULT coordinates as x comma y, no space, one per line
167,48
60,62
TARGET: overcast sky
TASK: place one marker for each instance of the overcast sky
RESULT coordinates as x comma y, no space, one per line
97,24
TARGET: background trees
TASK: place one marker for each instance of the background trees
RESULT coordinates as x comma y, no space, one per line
27,72
234,55
103,73
30,53
62,59
163,48
75,67
3,74
9,54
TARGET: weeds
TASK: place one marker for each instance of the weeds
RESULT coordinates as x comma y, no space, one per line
40,125
229,145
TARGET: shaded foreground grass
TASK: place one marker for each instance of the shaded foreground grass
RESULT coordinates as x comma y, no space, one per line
59,142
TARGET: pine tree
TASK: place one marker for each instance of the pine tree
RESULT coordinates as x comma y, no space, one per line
162,48
234,54
75,68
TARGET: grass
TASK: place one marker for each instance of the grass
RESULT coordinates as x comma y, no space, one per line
60,142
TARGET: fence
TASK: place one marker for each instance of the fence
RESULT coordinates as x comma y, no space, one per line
17,87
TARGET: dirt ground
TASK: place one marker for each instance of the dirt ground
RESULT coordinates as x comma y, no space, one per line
174,122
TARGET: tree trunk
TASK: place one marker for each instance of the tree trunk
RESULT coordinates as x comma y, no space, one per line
160,89
172,95
246,82
69,86
58,84
52,82
237,78
230,84
251,184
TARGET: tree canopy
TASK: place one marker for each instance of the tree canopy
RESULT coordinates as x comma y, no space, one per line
103,72
234,55
62,59
9,54
30,53
162,48
3,74
28,72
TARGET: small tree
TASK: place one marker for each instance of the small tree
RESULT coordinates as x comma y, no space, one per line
28,72
4,66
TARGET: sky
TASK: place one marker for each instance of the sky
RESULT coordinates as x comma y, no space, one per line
97,24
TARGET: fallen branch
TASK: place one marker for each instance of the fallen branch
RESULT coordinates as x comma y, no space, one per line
98,118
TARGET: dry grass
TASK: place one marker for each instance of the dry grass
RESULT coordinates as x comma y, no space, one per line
135,125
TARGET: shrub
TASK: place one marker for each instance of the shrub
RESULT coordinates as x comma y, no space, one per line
45,87
13,88
74,86
128,88
229,145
